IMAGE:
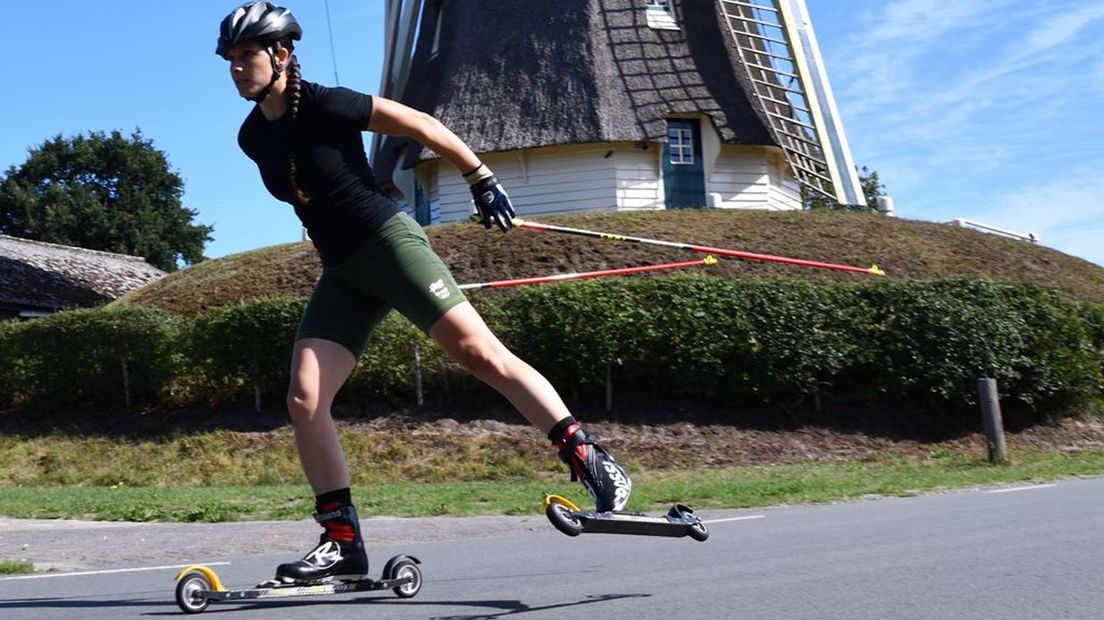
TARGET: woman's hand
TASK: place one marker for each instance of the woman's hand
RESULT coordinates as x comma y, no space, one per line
491,201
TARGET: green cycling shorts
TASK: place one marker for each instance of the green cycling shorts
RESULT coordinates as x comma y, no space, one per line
394,269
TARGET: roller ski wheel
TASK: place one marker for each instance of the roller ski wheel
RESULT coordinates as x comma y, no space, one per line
198,586
564,518
405,569
571,520
190,589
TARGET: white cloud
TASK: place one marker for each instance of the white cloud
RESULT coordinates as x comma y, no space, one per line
1060,27
923,21
943,91
1067,212
879,66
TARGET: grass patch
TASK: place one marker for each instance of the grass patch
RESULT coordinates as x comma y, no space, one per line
15,567
742,487
906,249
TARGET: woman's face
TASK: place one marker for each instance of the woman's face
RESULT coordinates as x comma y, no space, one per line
250,68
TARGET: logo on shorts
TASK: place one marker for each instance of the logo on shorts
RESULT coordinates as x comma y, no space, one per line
439,289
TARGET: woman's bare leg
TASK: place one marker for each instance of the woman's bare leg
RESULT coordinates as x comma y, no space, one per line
318,370
467,339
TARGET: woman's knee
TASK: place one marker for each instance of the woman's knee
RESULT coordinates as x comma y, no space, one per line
302,402
483,357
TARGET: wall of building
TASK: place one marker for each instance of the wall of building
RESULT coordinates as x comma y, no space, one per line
618,176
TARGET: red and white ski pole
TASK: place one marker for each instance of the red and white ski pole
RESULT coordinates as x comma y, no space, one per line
873,270
560,277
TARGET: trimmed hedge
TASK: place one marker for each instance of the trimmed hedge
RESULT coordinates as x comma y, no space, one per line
244,349
92,356
919,346
922,344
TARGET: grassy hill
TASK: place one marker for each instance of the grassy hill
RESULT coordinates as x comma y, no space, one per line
905,249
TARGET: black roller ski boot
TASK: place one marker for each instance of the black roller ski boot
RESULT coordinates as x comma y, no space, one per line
607,482
339,556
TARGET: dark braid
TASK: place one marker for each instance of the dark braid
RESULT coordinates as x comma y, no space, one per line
295,89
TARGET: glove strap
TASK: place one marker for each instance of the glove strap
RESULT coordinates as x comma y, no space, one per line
477,175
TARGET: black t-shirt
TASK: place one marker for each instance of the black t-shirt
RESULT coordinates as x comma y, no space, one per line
346,205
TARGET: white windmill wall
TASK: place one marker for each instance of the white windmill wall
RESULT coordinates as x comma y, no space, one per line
639,182
540,181
753,177
606,177
785,189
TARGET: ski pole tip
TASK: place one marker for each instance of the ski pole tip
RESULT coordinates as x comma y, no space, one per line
874,269
709,259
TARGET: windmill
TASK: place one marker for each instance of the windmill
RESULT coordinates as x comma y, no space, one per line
616,104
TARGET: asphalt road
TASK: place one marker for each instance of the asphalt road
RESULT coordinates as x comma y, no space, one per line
1010,552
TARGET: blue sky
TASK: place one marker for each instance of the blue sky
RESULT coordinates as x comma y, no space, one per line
988,110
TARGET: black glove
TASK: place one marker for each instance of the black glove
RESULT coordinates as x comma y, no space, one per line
491,201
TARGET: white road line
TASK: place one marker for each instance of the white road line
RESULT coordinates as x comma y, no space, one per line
747,518
1014,489
106,572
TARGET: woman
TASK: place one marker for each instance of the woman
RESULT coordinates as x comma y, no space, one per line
307,143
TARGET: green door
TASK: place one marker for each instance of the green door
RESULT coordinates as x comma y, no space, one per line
683,171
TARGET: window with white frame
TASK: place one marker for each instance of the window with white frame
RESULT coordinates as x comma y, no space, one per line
659,14
680,145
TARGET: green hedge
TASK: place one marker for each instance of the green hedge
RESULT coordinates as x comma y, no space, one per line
696,337
927,343
12,373
918,346
89,356
244,350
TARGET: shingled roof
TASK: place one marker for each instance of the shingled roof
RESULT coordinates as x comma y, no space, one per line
530,73
48,277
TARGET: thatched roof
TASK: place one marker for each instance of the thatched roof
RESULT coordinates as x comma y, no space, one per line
530,73
48,277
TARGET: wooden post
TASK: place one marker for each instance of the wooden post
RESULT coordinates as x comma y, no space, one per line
609,387
126,386
994,426
417,373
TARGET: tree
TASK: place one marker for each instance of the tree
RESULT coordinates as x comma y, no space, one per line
103,192
871,188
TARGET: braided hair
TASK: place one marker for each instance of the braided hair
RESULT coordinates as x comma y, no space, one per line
295,93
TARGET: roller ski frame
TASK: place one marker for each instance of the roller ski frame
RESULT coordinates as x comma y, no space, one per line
197,586
571,520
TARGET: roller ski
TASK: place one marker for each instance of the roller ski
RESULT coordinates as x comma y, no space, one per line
337,565
198,586
571,520
609,486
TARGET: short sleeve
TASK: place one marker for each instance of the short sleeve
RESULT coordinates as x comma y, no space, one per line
351,106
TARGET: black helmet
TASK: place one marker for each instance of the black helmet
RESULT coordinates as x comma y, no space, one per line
257,21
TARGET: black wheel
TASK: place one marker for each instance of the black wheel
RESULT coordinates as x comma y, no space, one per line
188,596
407,568
564,520
698,532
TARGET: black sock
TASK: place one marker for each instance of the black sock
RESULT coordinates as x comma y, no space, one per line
326,501
557,432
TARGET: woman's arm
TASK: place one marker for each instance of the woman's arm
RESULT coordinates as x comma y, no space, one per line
395,119
490,200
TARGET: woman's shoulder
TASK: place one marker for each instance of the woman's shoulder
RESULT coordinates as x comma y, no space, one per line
344,102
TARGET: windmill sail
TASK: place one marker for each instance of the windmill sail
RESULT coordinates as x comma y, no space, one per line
779,51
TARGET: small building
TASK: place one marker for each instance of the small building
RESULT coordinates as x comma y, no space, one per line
38,279
585,105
